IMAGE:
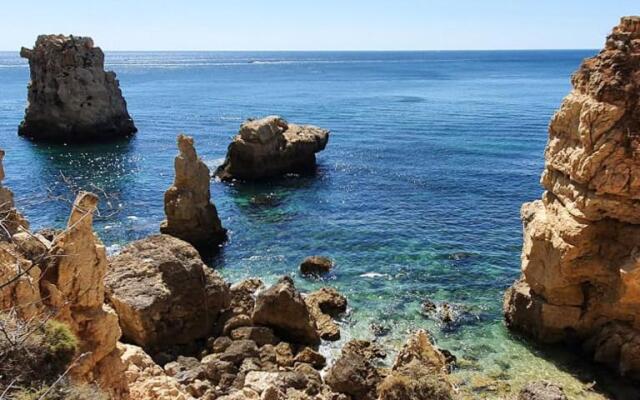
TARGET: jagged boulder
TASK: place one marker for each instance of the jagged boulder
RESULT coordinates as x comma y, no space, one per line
355,372
418,373
71,97
325,304
191,216
282,308
270,147
11,221
164,293
579,259
72,283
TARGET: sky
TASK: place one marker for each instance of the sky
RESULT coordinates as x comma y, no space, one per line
317,24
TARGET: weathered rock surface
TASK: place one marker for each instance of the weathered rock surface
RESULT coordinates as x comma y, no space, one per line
73,285
418,373
164,293
148,381
71,97
191,216
282,308
355,372
10,219
580,267
324,305
542,390
271,147
316,266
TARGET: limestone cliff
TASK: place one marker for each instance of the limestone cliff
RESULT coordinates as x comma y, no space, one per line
191,216
270,147
71,97
581,252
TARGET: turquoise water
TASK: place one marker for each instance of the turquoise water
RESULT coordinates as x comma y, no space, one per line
416,197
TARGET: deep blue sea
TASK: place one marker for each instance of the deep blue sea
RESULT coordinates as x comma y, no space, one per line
416,197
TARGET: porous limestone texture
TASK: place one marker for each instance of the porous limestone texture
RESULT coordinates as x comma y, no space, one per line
270,147
71,98
581,253
191,216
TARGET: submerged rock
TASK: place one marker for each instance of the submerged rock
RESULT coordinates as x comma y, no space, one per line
191,216
282,308
579,259
71,97
164,293
542,390
271,147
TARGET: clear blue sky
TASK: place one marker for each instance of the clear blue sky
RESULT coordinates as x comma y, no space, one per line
317,24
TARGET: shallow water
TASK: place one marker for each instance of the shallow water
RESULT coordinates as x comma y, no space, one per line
416,197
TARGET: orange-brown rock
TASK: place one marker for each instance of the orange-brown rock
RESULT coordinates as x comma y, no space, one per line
191,216
164,293
580,257
73,286
10,219
147,380
282,308
418,373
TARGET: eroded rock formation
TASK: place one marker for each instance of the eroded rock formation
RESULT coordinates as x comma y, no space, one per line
71,97
580,258
72,285
187,204
271,147
10,219
164,293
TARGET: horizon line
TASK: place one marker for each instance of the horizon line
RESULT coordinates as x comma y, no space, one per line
338,51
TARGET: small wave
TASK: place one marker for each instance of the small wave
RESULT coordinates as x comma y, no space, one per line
374,275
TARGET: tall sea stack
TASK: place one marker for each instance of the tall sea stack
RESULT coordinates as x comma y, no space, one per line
581,253
71,97
191,216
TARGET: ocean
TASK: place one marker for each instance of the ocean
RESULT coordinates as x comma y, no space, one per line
416,197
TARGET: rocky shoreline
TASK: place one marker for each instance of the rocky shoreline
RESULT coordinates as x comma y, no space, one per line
155,322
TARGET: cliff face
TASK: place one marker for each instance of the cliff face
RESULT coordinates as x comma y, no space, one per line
71,97
580,258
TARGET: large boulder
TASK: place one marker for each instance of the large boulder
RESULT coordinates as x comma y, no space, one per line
271,147
282,308
580,269
191,216
71,97
164,293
